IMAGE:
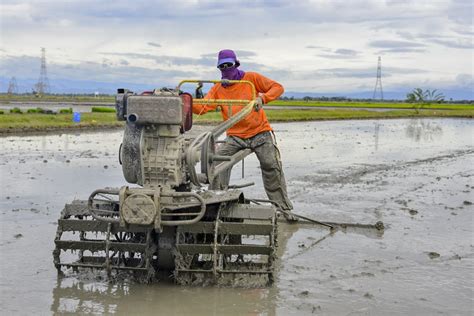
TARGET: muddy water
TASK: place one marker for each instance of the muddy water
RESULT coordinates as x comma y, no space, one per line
414,175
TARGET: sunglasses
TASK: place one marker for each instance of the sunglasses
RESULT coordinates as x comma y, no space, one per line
226,65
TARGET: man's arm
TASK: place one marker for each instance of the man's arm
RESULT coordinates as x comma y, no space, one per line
268,89
200,109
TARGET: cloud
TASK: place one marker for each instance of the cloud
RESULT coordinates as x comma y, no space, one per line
348,72
403,71
360,73
400,50
153,44
460,43
398,46
295,42
450,41
368,72
239,53
345,51
394,44
460,11
164,59
340,53
465,80
105,71
245,53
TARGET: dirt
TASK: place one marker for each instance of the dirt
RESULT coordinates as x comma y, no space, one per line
416,176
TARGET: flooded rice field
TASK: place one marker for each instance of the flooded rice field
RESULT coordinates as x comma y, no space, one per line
415,175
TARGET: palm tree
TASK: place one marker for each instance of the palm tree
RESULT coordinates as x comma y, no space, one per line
434,96
420,98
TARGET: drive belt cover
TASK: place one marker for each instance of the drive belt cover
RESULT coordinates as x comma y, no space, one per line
138,209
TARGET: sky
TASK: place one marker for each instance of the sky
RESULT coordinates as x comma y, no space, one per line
318,46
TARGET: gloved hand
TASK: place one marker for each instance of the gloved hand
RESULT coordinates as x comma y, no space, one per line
225,82
258,103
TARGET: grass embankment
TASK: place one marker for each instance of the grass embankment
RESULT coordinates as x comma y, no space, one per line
28,122
380,105
17,123
5,98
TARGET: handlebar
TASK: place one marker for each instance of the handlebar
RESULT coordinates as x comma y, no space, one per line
230,101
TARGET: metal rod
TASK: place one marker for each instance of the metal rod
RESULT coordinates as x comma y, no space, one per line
240,186
306,218
279,209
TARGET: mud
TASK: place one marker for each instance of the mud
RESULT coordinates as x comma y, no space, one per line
416,176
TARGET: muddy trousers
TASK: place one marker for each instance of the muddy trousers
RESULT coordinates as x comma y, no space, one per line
267,152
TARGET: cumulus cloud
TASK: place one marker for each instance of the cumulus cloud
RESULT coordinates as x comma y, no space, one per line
449,41
164,59
340,53
239,53
96,71
465,80
153,44
400,50
394,44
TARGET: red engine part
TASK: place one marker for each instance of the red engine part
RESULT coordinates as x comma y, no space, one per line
187,111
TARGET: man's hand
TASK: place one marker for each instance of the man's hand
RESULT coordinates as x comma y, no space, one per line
258,103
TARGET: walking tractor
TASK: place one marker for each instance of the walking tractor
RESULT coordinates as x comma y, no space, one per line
170,219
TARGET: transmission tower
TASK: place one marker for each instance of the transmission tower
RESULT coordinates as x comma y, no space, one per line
42,86
12,86
378,83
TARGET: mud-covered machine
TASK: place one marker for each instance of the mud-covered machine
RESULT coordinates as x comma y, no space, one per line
171,220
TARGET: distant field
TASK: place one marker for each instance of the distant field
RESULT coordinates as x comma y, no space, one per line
401,105
4,98
58,121
19,123
56,98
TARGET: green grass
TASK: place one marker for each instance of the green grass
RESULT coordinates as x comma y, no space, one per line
56,98
102,109
36,121
43,111
394,105
65,111
16,111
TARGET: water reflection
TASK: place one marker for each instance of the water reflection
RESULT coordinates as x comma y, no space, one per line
73,296
86,297
376,135
86,292
418,129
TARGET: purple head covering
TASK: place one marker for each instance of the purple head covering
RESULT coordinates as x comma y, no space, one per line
227,56
232,73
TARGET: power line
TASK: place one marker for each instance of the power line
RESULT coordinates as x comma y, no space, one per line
12,86
378,82
42,86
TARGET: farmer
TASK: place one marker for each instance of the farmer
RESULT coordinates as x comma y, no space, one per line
198,92
254,131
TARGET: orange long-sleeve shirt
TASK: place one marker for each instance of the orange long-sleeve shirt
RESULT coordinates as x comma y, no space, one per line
255,122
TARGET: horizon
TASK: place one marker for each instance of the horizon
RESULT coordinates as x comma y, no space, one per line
99,47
